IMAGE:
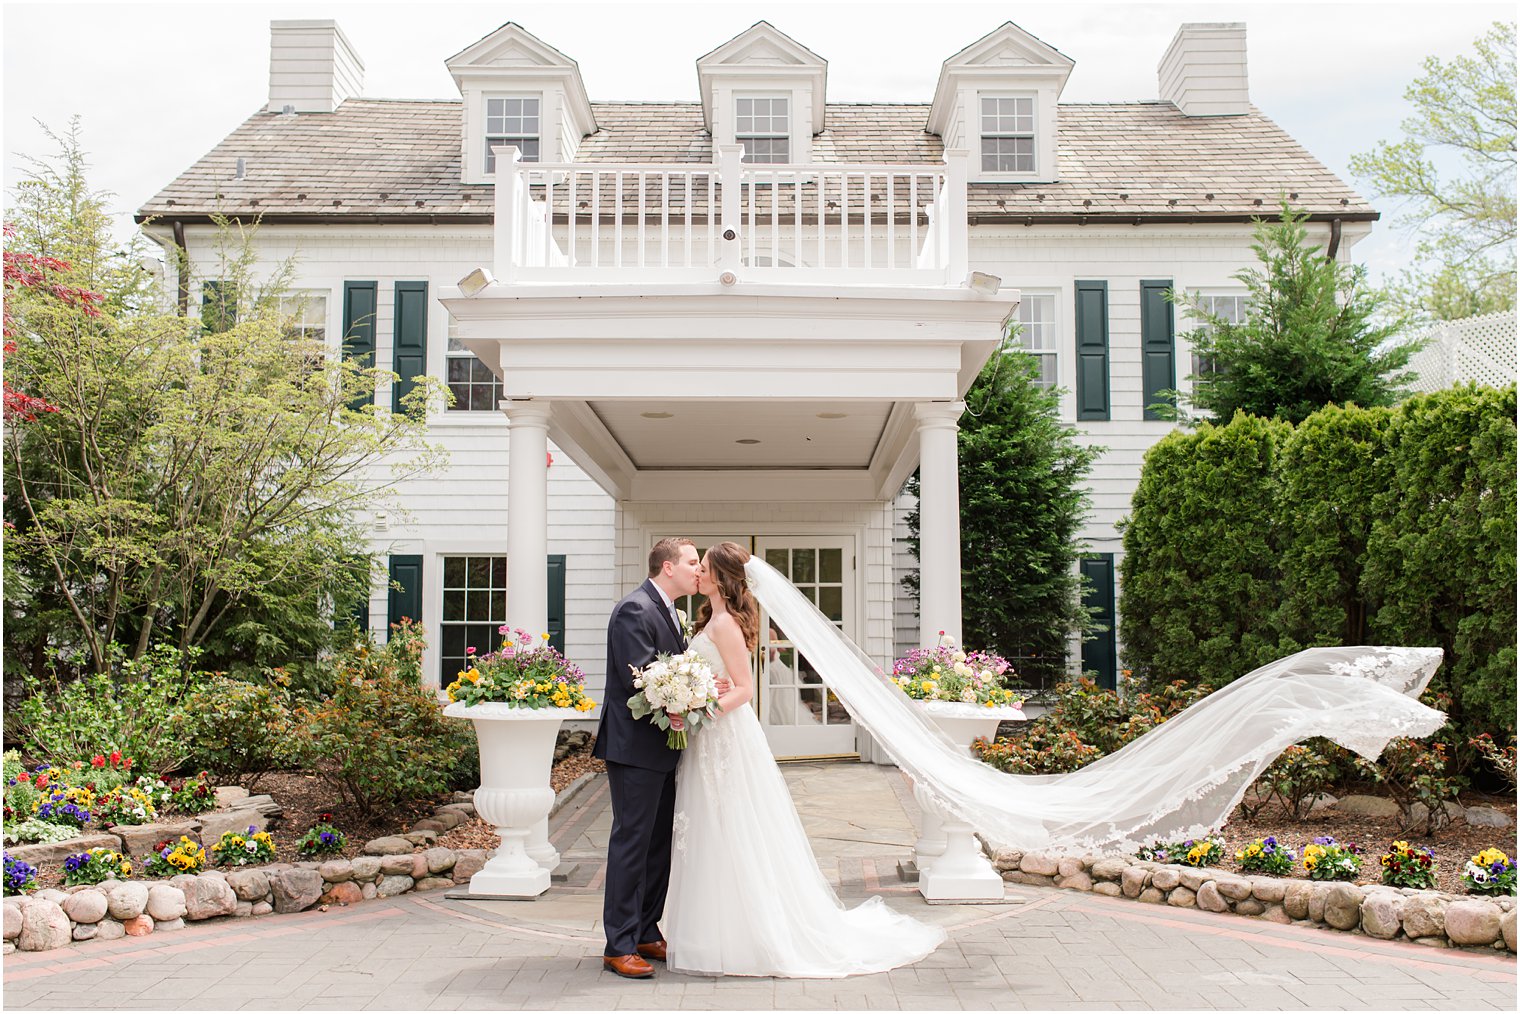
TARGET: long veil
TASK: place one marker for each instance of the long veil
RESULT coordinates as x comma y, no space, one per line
1180,780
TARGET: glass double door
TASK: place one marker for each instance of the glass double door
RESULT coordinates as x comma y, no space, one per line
799,714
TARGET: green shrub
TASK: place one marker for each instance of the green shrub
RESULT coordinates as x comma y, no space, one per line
1414,772
1441,559
1200,564
1301,772
242,727
138,709
381,739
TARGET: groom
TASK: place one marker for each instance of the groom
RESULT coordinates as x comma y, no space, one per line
641,769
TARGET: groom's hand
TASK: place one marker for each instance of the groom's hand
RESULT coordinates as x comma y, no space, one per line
723,685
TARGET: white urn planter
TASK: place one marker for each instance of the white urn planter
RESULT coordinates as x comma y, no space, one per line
951,868
516,755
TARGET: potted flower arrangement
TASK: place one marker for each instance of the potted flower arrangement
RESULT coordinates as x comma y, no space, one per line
963,694
517,696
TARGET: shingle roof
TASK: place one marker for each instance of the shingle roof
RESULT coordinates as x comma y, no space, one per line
390,160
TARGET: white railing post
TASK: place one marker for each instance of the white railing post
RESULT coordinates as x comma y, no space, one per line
957,232
510,223
731,179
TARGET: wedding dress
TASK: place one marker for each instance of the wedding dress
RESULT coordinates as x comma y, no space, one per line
1180,780
746,894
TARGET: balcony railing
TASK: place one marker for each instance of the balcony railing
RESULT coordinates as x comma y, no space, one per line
825,223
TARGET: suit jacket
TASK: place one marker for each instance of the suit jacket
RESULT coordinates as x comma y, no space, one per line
641,627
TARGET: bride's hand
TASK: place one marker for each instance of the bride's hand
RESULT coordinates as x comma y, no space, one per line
678,722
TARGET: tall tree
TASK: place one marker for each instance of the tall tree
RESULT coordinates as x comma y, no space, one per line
1023,492
1464,112
1309,337
186,472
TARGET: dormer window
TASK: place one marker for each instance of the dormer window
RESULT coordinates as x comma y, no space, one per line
763,126
512,121
1008,134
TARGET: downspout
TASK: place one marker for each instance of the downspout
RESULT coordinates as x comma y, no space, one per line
1335,238
182,263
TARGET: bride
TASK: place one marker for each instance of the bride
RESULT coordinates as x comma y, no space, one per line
746,894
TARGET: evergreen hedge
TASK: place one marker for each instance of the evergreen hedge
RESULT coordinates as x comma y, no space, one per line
1250,540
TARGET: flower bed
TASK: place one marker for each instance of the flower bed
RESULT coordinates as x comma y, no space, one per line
1386,912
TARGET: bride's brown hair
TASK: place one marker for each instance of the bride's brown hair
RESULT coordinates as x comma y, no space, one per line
725,567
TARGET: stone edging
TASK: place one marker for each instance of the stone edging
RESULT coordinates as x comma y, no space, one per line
106,911
1387,913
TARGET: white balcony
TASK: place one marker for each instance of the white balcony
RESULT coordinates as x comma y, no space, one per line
643,223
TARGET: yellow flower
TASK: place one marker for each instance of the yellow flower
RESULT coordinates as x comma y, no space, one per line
545,636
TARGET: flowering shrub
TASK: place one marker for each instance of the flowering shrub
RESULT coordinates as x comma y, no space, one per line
1404,866
108,770
322,839
1489,872
1327,859
524,674
126,805
1413,772
195,794
1299,773
946,673
1192,852
1500,758
95,865
20,877
253,846
171,858
1267,855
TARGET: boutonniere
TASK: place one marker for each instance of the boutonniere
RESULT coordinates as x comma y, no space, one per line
685,623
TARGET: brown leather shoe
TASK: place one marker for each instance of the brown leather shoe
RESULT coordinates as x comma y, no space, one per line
654,951
629,966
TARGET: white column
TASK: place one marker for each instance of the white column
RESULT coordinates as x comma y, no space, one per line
939,521
528,516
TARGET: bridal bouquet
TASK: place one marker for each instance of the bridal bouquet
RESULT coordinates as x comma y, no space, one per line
675,685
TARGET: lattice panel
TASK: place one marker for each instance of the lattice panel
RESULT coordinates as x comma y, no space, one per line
1480,349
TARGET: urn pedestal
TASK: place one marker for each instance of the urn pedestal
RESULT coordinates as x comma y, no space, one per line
951,866
516,755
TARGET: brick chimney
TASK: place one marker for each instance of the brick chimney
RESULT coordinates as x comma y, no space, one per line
312,67
1204,70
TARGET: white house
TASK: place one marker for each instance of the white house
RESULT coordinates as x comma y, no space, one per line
748,316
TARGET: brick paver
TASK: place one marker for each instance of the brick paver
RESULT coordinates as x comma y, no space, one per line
1054,950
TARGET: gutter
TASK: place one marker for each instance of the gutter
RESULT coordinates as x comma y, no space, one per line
182,265
1335,239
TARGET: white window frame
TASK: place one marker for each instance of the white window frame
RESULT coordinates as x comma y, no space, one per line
1199,324
504,139
299,304
740,136
982,134
1049,336
491,590
462,354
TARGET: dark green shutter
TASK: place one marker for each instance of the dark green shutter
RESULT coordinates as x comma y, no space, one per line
410,356
218,305
360,301
1092,350
405,599
1157,343
557,602
1099,653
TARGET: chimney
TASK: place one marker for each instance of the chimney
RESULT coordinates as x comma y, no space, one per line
312,67
1204,70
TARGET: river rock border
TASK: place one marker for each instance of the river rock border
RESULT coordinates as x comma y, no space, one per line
1387,913
112,909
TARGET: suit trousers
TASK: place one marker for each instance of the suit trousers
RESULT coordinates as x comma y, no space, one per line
638,855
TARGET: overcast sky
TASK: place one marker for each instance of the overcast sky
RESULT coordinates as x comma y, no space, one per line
158,85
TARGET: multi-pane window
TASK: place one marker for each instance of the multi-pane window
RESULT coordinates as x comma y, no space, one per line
474,608
1037,334
1007,134
1231,308
306,314
474,386
763,127
512,122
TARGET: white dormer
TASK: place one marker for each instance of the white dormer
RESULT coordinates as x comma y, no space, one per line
997,99
519,90
764,91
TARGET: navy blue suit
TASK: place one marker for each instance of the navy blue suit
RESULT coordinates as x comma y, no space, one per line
641,774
